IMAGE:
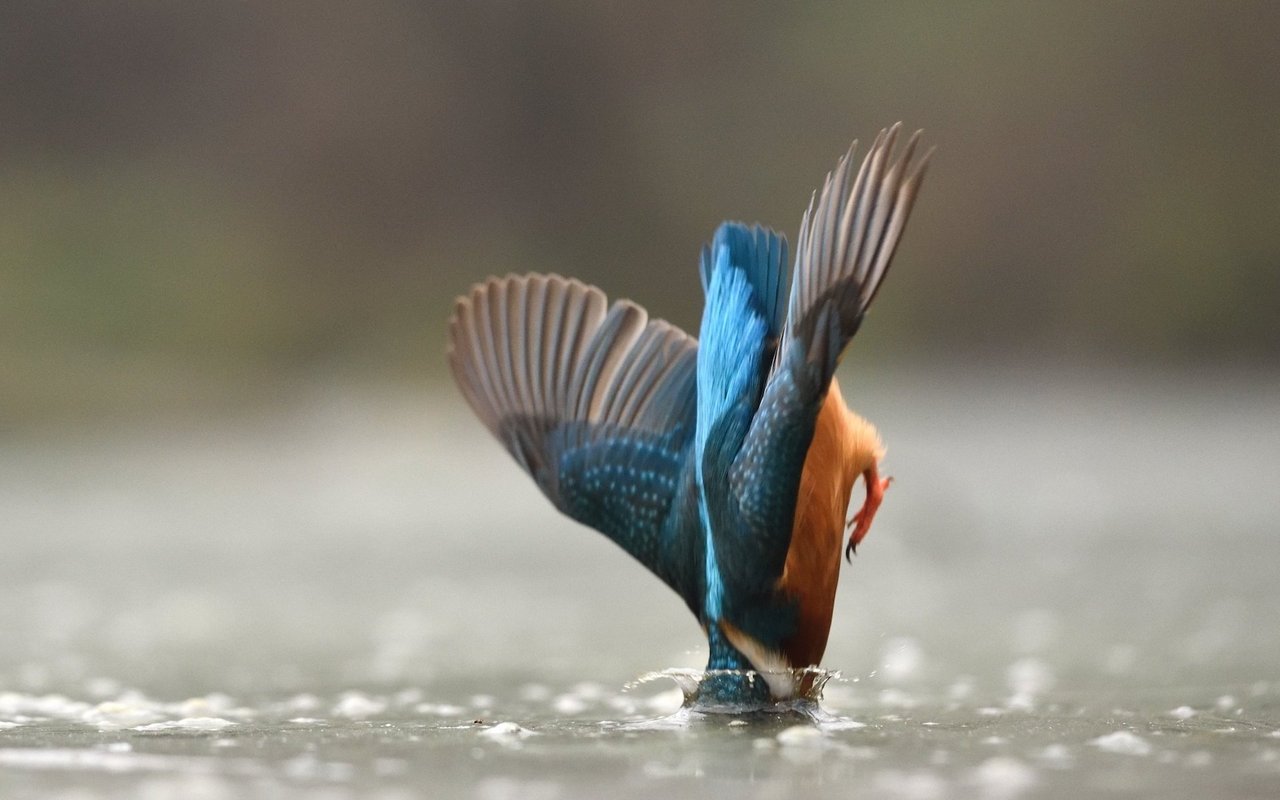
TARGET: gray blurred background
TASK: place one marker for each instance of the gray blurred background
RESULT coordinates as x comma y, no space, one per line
205,205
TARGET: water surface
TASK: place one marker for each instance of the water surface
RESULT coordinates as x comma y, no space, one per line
1071,589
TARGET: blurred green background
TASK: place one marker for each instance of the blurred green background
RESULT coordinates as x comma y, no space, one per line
204,204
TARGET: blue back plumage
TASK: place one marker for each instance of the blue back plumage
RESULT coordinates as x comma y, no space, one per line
731,343
729,378
761,254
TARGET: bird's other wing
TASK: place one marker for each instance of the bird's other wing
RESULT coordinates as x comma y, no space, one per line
596,402
848,236
847,239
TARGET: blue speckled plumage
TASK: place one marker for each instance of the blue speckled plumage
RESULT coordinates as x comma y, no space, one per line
689,454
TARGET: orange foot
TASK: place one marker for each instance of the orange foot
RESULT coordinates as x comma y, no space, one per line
861,522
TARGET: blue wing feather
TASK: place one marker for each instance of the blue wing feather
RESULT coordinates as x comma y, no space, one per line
630,485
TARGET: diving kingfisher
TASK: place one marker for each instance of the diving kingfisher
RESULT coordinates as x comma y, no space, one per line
723,464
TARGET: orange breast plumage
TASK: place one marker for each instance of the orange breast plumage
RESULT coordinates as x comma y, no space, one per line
844,446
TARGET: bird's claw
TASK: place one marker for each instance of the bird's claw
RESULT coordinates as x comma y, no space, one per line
861,522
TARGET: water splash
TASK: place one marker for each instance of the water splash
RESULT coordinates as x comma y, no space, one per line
808,682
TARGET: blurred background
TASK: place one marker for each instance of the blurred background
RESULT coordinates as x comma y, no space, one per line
204,204
233,466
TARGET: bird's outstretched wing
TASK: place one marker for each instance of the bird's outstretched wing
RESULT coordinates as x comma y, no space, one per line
596,402
847,238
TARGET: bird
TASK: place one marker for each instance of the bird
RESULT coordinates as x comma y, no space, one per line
724,463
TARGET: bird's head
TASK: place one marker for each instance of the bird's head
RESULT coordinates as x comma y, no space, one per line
861,453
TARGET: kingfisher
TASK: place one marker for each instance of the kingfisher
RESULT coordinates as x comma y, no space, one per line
724,464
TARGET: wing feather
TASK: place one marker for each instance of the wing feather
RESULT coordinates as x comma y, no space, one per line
848,235
595,401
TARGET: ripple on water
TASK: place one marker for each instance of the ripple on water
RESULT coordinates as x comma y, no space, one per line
810,681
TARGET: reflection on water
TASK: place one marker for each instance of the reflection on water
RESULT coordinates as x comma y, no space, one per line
1070,591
